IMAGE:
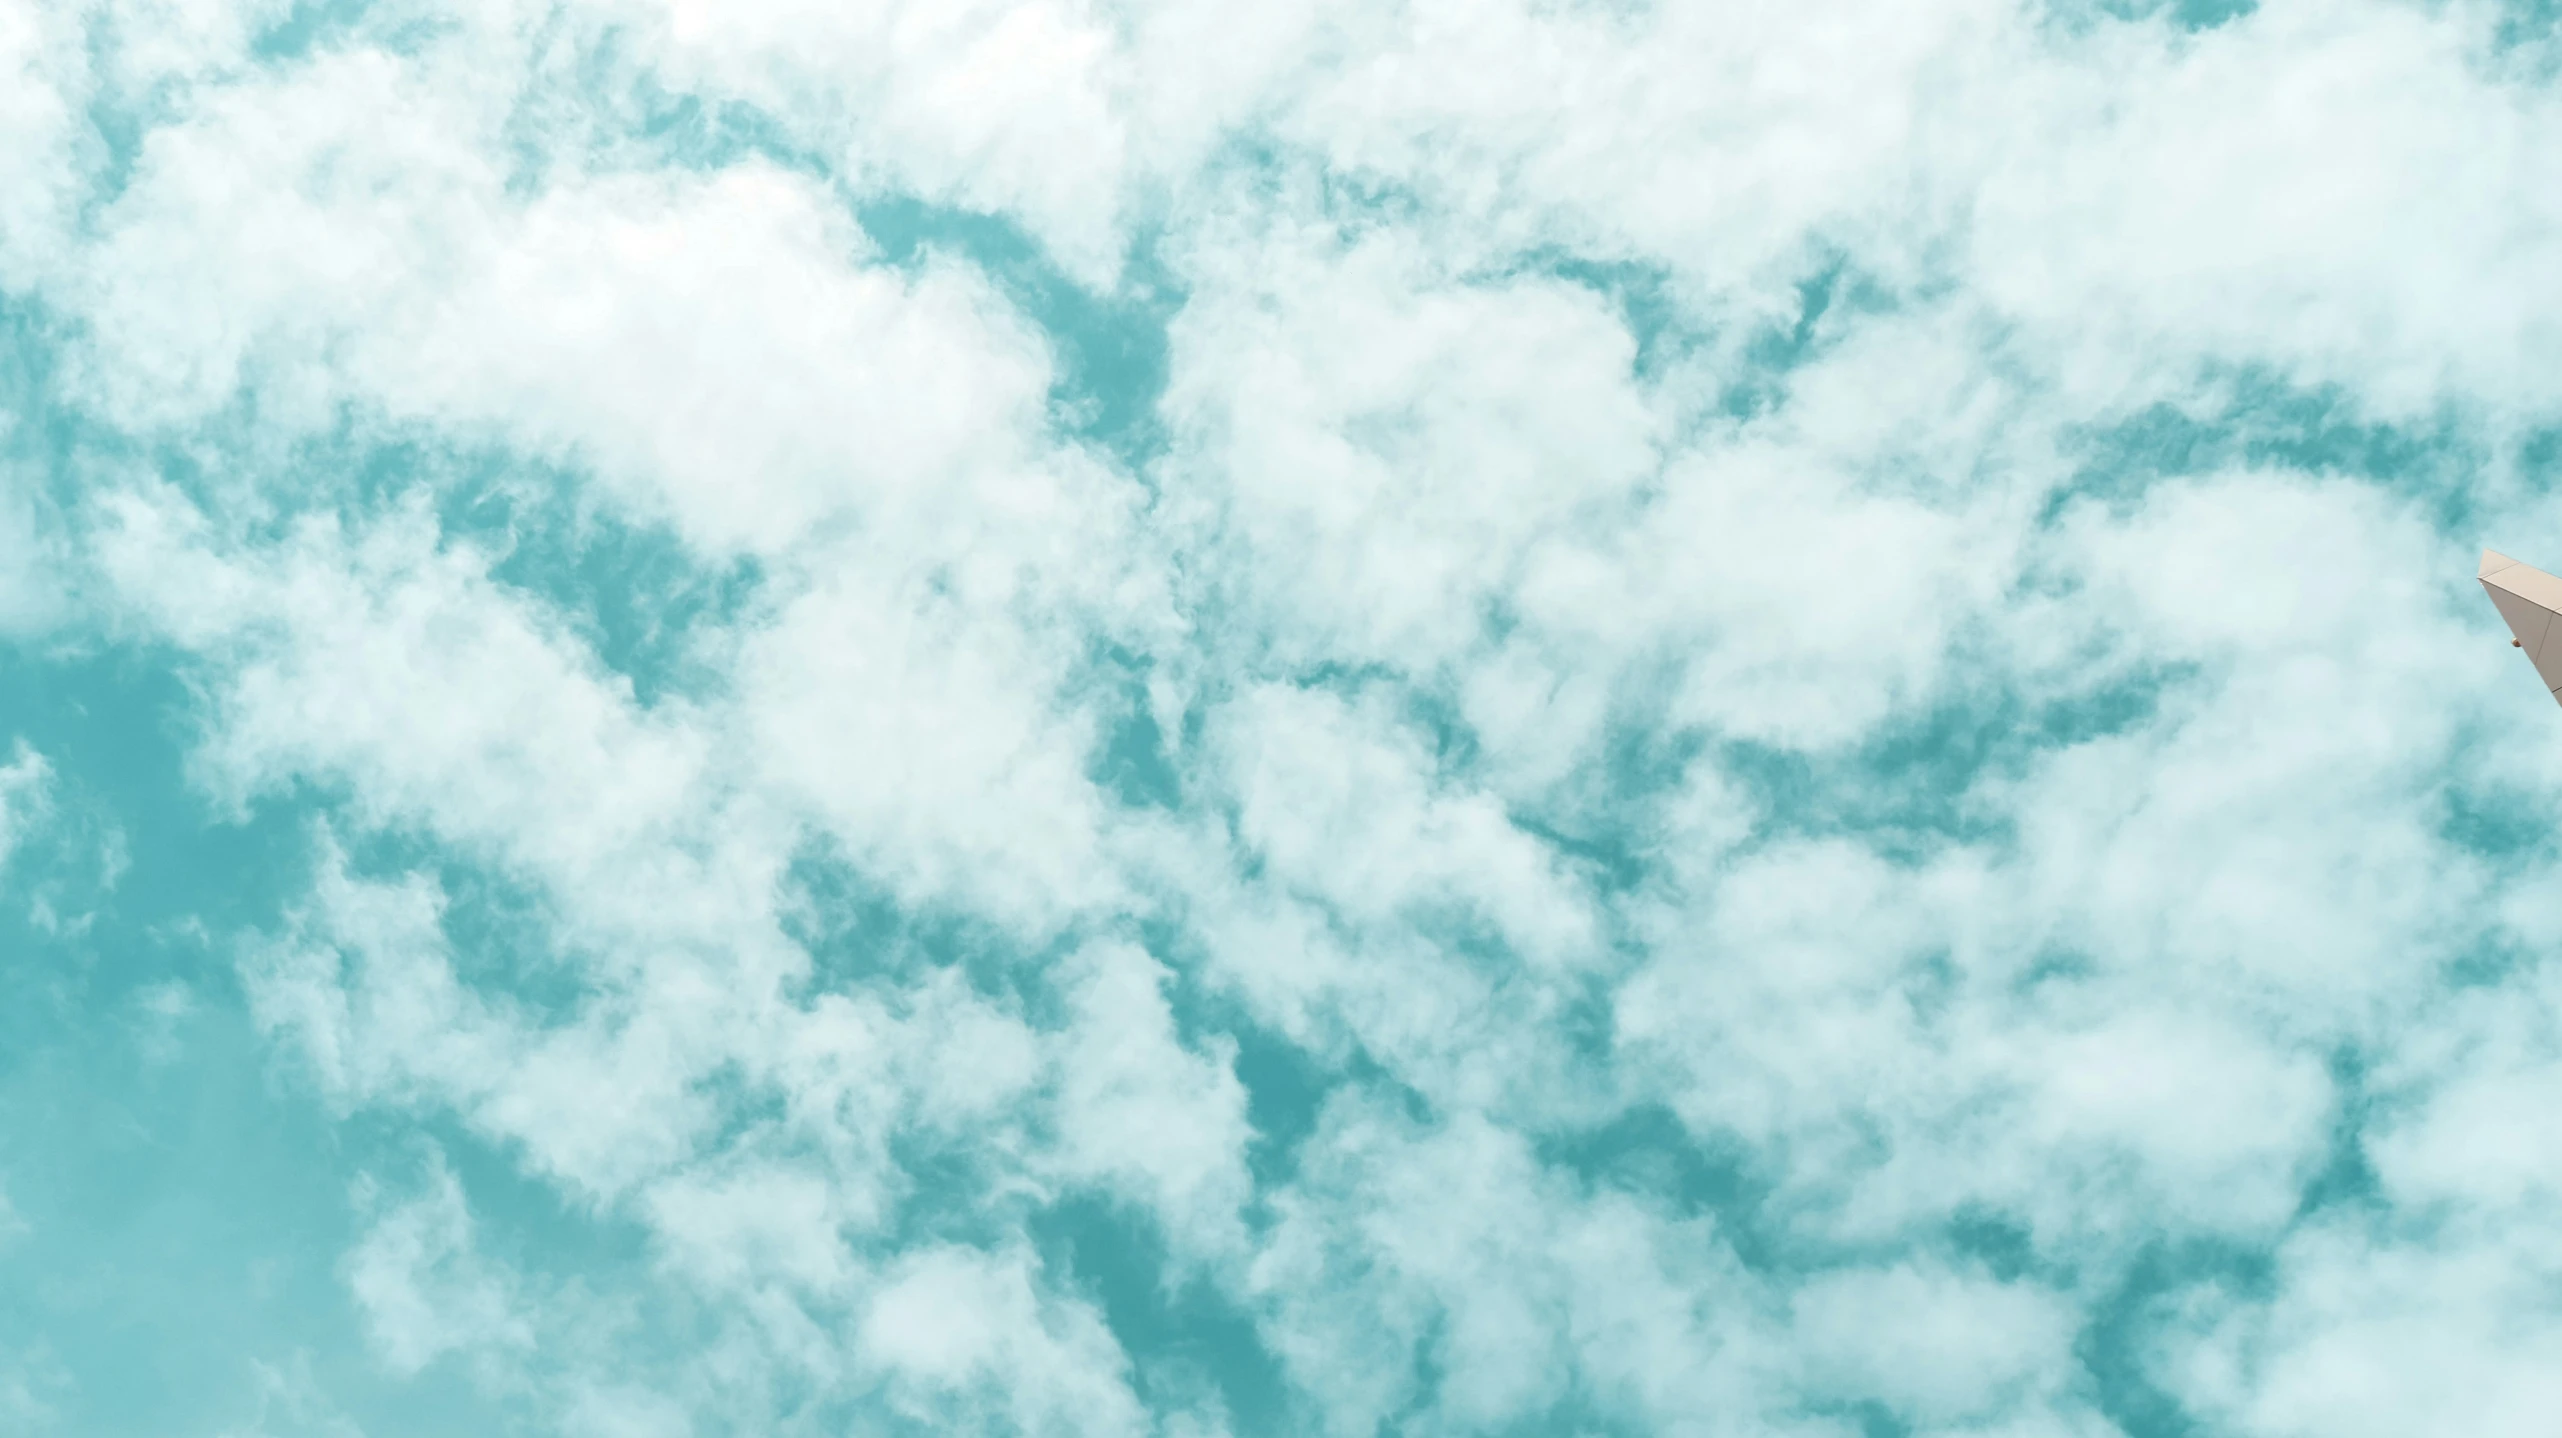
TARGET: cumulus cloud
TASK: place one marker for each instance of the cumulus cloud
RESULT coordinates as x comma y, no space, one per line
1378,443
1949,1349
966,1338
42,53
420,1282
1140,1112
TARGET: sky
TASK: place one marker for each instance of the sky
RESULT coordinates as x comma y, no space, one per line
1277,717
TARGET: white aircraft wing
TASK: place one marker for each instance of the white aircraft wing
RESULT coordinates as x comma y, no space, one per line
2531,601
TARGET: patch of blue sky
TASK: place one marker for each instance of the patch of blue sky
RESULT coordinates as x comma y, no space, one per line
1917,784
1186,1338
2246,417
309,25
860,932
2185,16
185,1212
1647,1151
184,1195
1110,349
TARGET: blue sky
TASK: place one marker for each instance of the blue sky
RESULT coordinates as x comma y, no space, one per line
1183,718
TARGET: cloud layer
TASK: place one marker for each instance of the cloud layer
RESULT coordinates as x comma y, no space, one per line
1129,718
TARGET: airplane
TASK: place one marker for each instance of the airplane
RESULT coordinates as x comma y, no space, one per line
2531,601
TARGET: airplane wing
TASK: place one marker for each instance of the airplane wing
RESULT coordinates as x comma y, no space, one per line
2531,601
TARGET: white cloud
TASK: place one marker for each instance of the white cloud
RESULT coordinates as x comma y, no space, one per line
970,1338
422,1285
932,748
2458,1133
2066,173
2369,1333
1766,135
1394,1236
1376,448
1136,1109
389,659
995,107
1079,122
754,1218
401,1011
2124,234
2223,1129
380,657
2290,798
38,577
1940,1347
725,352
47,83
161,1011
363,986
879,436
161,44
329,239
1808,611
1795,1002
776,382
1343,806
26,787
